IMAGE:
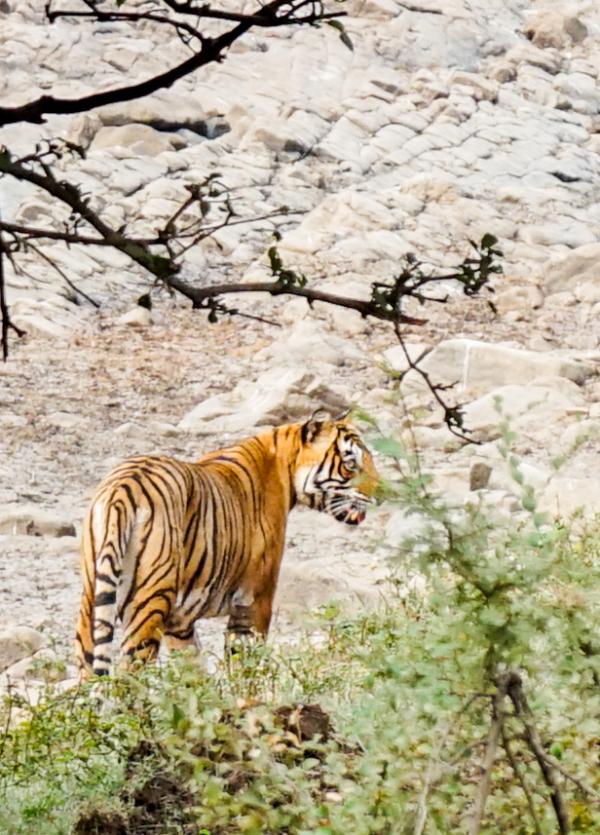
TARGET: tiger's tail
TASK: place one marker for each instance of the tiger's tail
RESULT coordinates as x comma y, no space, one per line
109,524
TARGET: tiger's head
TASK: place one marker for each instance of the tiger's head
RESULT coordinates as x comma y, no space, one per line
335,472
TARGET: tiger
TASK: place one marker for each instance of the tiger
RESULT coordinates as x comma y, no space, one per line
166,542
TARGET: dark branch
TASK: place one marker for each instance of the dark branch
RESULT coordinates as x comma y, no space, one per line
489,758
506,744
198,295
6,325
128,17
64,276
165,268
523,712
211,50
453,415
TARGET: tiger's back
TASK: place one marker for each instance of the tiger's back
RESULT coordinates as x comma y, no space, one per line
167,542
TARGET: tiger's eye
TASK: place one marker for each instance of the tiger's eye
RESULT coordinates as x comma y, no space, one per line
348,467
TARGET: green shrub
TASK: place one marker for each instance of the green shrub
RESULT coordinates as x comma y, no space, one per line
471,706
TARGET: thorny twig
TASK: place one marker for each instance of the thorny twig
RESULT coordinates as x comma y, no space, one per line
64,276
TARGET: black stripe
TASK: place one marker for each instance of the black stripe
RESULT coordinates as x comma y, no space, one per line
105,598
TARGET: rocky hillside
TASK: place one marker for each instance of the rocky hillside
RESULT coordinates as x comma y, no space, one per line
447,120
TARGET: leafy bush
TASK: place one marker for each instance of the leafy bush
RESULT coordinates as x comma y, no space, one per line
471,705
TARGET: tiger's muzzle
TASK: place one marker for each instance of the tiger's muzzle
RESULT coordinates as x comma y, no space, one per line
351,510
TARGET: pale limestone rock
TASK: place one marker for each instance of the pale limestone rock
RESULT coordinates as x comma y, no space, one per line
8,421
308,343
578,434
540,343
588,292
161,428
347,323
83,129
566,495
545,29
430,437
502,71
64,420
42,666
34,521
575,29
136,139
395,357
36,325
570,234
518,299
293,311
565,272
577,86
51,317
166,111
534,475
138,317
530,409
481,88
414,531
131,430
17,642
279,395
479,366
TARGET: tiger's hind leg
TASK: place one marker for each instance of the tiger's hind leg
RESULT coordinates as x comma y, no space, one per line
84,637
144,629
148,600
181,640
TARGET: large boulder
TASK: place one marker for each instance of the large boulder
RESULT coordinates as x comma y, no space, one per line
480,366
554,29
539,410
280,395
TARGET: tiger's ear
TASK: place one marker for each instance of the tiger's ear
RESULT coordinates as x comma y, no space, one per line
342,415
313,425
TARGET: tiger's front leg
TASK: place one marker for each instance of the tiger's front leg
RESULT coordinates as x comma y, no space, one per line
180,636
249,619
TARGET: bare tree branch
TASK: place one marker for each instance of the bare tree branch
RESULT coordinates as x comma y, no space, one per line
489,758
275,13
548,769
7,324
63,275
506,744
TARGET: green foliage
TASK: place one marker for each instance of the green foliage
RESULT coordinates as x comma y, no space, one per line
344,37
409,689
286,277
